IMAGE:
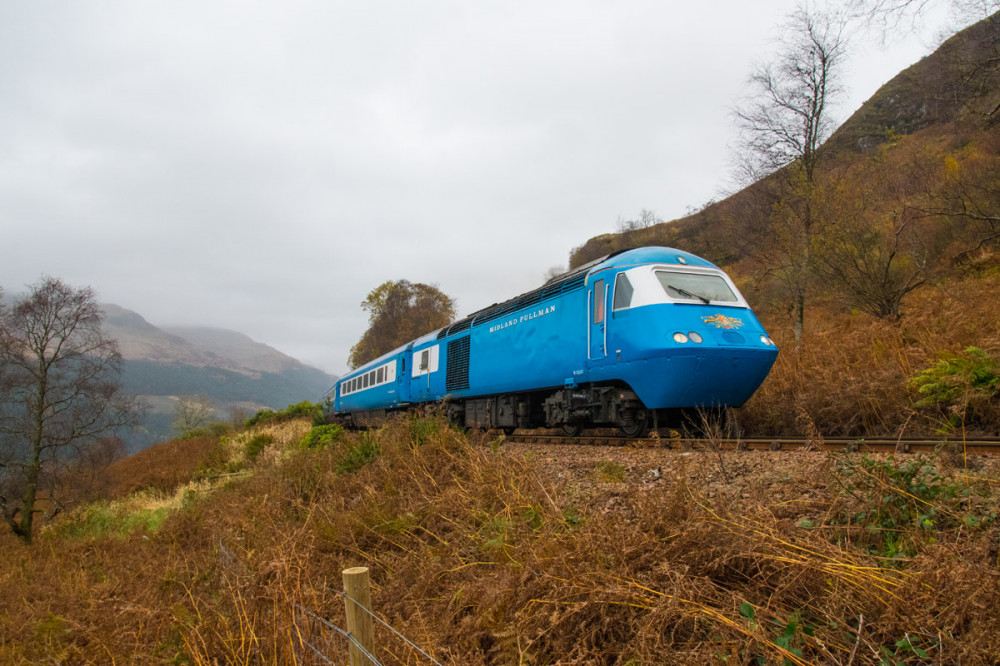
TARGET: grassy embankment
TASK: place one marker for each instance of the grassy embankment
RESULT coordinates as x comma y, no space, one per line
488,554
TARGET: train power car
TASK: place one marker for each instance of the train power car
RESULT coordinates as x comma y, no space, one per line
628,341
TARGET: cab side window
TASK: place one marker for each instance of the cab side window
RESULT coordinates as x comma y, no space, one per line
598,301
623,292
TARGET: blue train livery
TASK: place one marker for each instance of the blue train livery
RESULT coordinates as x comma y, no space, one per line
630,340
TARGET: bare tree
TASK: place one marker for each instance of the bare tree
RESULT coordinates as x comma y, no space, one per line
59,396
882,242
646,219
889,15
876,262
968,199
191,412
782,127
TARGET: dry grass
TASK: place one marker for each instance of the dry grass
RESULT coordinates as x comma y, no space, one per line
486,555
850,376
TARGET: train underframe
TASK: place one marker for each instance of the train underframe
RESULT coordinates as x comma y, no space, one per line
571,409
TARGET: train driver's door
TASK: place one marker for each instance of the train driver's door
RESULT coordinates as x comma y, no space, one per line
597,325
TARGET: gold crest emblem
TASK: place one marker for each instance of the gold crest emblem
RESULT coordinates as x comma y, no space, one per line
722,321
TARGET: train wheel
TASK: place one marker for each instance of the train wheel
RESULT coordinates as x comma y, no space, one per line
572,429
637,426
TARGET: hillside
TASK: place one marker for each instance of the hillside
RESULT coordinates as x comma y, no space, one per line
236,347
239,375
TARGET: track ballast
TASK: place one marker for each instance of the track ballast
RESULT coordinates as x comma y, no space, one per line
843,444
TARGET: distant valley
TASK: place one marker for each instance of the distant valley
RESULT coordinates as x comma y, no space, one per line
237,374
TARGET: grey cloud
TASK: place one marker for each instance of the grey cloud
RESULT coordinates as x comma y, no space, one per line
262,167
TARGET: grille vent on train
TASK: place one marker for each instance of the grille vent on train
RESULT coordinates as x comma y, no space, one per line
559,285
457,375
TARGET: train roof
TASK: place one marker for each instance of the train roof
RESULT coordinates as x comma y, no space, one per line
575,279
568,281
649,255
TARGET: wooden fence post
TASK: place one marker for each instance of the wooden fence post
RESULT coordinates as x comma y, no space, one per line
359,623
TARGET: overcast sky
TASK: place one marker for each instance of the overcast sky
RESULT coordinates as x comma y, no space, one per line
262,166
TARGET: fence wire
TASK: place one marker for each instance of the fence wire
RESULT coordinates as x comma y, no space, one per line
320,642
389,627
321,630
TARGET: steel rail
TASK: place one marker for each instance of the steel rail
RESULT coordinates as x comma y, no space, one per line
849,444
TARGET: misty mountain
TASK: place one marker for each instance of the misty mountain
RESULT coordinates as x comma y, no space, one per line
236,373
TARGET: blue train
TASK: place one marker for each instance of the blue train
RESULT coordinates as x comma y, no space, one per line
629,341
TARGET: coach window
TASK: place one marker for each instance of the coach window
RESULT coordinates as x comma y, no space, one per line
380,375
365,385
623,292
599,301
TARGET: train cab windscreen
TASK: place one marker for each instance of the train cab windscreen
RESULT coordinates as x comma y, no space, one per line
696,287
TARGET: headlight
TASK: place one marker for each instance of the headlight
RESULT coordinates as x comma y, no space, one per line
766,340
680,337
695,337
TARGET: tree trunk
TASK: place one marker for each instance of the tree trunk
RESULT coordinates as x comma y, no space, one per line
24,527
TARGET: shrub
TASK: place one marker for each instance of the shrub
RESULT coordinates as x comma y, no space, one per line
610,472
257,444
261,417
305,409
358,455
898,501
217,460
422,428
961,386
321,436
215,429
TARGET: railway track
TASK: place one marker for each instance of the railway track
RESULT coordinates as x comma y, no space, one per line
876,445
